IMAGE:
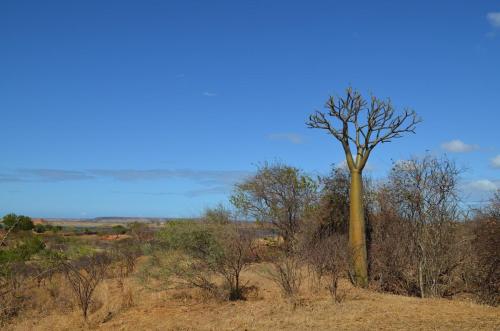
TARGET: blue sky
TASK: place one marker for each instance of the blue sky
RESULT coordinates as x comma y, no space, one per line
156,108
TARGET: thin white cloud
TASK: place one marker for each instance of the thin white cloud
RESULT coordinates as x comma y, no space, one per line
205,177
483,185
294,138
202,177
458,146
343,165
494,19
209,94
495,162
52,175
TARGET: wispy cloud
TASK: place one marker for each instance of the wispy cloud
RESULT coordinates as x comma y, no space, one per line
494,19
495,162
54,175
223,189
145,193
209,94
294,138
206,182
44,175
343,165
202,177
206,177
483,185
458,146
9,178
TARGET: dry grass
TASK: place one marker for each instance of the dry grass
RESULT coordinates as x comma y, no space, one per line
131,307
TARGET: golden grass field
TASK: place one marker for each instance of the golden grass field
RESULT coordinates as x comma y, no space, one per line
132,307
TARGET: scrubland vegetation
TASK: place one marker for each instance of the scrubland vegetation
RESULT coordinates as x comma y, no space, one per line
291,252
289,269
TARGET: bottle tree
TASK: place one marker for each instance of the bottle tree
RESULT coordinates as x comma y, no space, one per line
360,125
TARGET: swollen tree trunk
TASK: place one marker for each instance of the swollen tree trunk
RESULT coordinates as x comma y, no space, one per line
382,125
357,235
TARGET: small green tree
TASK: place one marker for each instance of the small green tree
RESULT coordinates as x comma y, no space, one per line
198,251
17,222
278,194
39,228
118,229
217,215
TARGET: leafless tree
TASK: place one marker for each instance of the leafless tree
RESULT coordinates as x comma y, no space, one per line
13,277
125,254
141,232
328,256
286,272
361,125
485,246
84,275
423,193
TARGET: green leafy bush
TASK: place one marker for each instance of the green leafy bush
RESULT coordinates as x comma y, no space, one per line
197,252
17,222
39,228
23,250
119,229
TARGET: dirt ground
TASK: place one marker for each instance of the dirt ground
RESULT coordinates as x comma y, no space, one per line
132,307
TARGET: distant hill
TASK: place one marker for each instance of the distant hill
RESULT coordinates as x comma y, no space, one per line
117,219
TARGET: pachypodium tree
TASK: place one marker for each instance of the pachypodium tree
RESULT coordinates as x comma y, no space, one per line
360,125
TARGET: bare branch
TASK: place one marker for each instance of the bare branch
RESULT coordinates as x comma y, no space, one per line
381,126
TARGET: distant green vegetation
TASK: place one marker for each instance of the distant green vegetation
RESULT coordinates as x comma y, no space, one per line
17,223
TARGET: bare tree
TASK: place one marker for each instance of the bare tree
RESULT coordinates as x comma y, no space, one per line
238,252
286,272
84,275
423,193
485,247
141,232
328,257
361,125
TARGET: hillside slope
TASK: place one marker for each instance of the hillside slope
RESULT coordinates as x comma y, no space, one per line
135,308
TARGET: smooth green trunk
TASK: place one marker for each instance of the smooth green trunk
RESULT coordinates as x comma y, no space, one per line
357,234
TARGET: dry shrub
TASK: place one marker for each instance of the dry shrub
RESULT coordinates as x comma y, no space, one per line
199,254
486,270
330,259
140,232
83,276
415,243
18,282
127,299
58,294
182,296
12,298
126,253
286,272
392,252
